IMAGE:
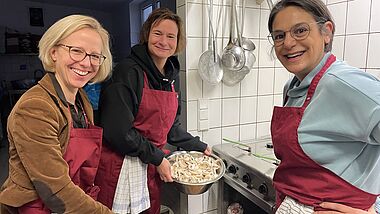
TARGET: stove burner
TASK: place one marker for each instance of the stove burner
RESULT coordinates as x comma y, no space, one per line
250,170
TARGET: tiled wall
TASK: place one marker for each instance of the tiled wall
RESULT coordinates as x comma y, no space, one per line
244,111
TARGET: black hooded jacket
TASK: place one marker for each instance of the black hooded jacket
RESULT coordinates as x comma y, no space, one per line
119,103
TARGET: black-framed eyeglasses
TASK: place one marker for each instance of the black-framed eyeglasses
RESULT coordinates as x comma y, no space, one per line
298,32
78,54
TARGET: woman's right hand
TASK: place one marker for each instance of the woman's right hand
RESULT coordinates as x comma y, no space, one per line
340,209
164,171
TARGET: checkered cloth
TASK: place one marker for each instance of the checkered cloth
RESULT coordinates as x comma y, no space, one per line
132,194
291,206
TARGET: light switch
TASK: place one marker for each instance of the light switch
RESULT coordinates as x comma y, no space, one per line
203,103
203,125
203,114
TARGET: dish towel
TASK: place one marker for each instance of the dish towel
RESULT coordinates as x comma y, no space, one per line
291,206
131,195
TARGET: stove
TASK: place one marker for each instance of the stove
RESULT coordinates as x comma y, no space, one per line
250,167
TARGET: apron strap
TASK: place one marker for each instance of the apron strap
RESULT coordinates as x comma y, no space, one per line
316,79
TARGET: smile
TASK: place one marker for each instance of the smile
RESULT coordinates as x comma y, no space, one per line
79,72
294,55
161,48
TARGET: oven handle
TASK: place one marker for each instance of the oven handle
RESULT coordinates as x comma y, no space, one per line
257,198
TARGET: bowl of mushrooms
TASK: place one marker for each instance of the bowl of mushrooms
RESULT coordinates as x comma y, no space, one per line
194,172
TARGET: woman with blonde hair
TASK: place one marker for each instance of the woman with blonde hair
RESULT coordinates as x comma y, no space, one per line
54,147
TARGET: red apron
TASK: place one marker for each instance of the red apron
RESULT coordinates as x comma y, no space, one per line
82,155
298,176
155,117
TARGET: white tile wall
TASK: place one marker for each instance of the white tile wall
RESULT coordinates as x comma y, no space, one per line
356,50
339,10
281,76
247,131
248,110
375,17
249,84
373,52
358,8
230,111
244,111
266,81
338,46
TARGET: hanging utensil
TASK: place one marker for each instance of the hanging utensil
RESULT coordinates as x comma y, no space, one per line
233,57
270,4
233,77
247,44
209,65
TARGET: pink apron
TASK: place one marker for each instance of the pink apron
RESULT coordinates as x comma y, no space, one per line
82,155
298,176
155,117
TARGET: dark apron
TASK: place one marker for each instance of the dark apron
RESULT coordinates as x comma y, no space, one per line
82,155
155,117
298,176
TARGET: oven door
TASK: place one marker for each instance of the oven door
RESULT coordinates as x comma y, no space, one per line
231,191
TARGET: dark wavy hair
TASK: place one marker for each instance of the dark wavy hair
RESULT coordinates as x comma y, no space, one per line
316,8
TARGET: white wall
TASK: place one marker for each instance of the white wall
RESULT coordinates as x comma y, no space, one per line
244,111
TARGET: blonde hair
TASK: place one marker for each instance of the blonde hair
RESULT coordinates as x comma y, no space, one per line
65,27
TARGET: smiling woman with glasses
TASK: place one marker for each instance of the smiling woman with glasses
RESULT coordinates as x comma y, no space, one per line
78,54
54,146
298,32
326,134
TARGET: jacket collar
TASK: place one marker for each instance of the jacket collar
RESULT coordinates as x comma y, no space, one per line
51,85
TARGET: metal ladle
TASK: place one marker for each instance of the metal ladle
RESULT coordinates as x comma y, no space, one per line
231,77
233,57
209,65
246,43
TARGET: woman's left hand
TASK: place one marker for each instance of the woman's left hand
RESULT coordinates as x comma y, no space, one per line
340,208
207,151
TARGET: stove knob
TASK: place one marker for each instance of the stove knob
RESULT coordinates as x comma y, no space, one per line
246,179
263,189
232,169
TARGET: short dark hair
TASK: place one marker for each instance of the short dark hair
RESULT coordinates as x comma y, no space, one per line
316,8
156,17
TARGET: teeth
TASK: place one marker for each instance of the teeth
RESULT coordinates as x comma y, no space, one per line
294,55
81,73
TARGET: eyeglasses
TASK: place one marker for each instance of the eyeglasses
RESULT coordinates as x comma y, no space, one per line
299,32
78,54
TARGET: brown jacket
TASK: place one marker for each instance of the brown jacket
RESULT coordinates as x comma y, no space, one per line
38,134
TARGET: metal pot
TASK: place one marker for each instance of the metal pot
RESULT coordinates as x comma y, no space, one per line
196,188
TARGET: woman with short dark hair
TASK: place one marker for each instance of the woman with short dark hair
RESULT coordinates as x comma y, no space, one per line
139,111
327,134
